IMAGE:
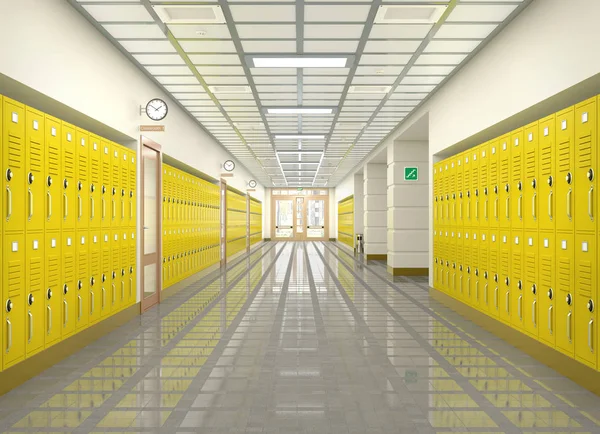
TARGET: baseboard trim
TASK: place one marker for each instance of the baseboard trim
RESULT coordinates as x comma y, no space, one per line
266,239
29,368
408,271
332,239
376,257
581,374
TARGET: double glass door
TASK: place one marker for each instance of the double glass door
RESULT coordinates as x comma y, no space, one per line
300,218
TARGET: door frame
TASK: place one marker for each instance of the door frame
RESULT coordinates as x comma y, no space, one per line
293,198
147,303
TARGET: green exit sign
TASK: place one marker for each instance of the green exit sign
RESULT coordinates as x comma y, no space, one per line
300,188
411,173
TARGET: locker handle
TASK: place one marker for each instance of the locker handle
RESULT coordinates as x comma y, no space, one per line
461,285
130,287
130,208
9,335
454,211
590,203
114,209
30,326
496,209
460,213
122,290
533,305
507,208
49,320
65,206
66,318
79,303
92,212
533,206
9,204
30,195
453,281
507,301
79,206
103,297
520,207
477,209
477,290
550,319
520,308
49,206
122,209
485,209
485,294
590,333
103,208
569,194
93,302
469,285
569,326
550,205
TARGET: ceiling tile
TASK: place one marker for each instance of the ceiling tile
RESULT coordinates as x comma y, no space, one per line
326,71
119,13
384,59
266,31
200,31
215,59
263,13
139,31
337,31
218,70
481,13
437,46
272,46
431,70
316,46
440,59
148,47
269,79
159,59
208,46
431,79
324,79
400,31
341,13
391,46
457,31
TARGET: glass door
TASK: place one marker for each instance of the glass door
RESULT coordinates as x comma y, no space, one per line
300,224
298,216
315,227
284,219
151,281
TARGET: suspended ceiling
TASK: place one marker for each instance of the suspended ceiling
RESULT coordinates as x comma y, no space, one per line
390,56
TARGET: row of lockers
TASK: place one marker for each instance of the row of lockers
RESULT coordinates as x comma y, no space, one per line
346,221
515,232
68,232
255,221
237,222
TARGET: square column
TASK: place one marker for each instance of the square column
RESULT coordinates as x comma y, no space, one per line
375,208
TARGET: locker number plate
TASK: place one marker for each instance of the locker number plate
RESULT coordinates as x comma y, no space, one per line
494,238
563,244
95,239
15,117
106,238
546,131
482,154
584,117
36,244
504,239
95,146
584,246
53,243
516,142
546,243
563,125
516,240
530,241
504,146
68,241
474,236
82,240
483,237
493,150
53,132
106,150
69,137
36,125
530,137
15,246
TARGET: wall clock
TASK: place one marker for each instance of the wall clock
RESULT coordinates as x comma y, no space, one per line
252,183
157,109
229,165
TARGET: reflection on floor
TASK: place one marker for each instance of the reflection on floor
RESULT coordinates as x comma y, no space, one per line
301,337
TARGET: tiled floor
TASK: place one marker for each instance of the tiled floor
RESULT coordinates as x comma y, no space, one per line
295,338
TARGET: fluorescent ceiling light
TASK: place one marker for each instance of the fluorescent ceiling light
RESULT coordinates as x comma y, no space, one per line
303,163
299,136
300,62
409,14
301,152
369,89
299,111
230,89
187,14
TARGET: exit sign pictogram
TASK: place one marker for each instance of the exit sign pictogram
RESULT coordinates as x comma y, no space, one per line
411,173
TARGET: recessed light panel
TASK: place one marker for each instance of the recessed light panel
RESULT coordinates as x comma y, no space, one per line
300,62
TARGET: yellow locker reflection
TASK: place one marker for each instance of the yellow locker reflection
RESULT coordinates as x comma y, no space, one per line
95,182
465,285
13,286
83,271
53,178
124,265
115,270
565,150
531,198
13,160
107,295
69,182
564,294
132,268
35,169
69,288
474,294
484,262
586,293
34,284
53,290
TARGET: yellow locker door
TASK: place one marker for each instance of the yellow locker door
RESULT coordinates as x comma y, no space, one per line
547,173
83,168
124,265
484,193
451,193
452,260
34,284
53,179
457,270
494,187
95,181
115,179
464,287
530,173
165,193
124,187
69,182
13,153
586,296
132,189
516,280
107,295
504,179
14,290
34,170
132,267
504,295
445,194
436,199
565,180
106,187
95,277
530,283
483,278
83,275
547,289
517,178
476,219
474,295
52,295
494,272
564,295
165,266
586,151
69,288
115,270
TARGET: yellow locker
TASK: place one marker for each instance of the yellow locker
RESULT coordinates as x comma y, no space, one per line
547,173
107,295
54,288
13,286
516,279
106,194
516,183
547,288
494,187
460,187
483,278
504,180
464,288
13,153
69,288
124,266
34,284
83,273
474,281
565,150
116,270
34,170
530,176
504,309
132,268
115,179
452,259
83,169
530,283
2,290
586,151
132,188
586,296
69,182
165,194
451,193
95,277
565,280
476,219
95,181
124,186
484,191
53,179
458,260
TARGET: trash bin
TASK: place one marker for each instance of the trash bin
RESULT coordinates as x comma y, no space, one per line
360,245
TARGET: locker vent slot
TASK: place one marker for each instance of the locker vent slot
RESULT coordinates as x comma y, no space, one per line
585,153
132,256
53,161
35,274
517,268
584,278
504,262
83,168
546,270
546,160
530,164
530,267
564,274
516,167
15,276
467,179
95,171
475,179
564,156
493,173
106,173
106,260
95,260
15,152
483,177
493,261
69,164
53,271
69,268
504,171
35,156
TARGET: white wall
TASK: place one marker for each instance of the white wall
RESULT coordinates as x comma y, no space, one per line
48,46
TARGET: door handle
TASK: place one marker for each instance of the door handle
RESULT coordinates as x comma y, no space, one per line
469,285
520,207
49,320
79,207
550,319
130,208
508,207
533,206
30,195
92,211
103,208
130,287
591,203
485,294
533,319
79,305
520,307
454,211
103,297
569,326
453,281
569,203
122,290
30,326
66,318
93,302
477,209
9,335
477,290
122,209
9,203
590,334
485,209
114,209
496,209
460,212
550,205
49,205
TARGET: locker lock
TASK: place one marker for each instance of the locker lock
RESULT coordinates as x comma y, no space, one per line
590,174
123,192
485,191
507,281
103,277
49,181
114,275
165,198
103,189
454,265
165,260
590,306
92,281
469,270
9,174
520,284
447,197
131,194
520,186
476,192
507,188
534,183
30,178
130,270
447,264
9,305
550,294
79,284
469,193
114,191
122,272
92,188
496,278
569,178
569,299
30,299
477,272
485,275
49,293
460,195
460,268
496,189
65,183
453,195
79,185
533,289
550,180
65,288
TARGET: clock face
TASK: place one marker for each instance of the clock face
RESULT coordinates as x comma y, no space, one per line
229,165
252,183
157,109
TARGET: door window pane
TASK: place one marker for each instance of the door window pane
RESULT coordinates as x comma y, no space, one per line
150,201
